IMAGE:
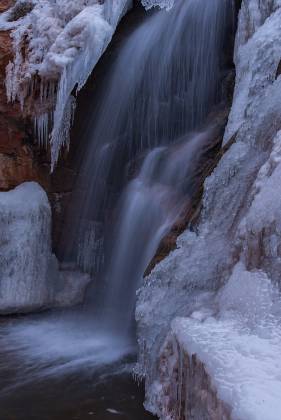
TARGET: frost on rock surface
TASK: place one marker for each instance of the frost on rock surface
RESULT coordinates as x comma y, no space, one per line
56,46
29,275
222,282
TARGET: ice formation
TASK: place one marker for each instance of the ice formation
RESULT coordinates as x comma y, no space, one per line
56,44
29,275
162,4
240,346
223,278
25,247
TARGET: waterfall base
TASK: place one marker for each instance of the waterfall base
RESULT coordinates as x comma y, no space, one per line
57,367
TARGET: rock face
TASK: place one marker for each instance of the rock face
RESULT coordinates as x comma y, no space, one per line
25,248
185,390
223,278
29,275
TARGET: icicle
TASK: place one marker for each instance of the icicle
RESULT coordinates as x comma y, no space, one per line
47,34
180,381
41,127
90,255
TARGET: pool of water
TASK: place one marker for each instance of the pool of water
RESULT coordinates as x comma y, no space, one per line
59,366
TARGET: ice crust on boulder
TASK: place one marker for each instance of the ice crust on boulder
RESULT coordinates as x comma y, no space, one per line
25,247
162,4
223,279
56,46
29,274
239,344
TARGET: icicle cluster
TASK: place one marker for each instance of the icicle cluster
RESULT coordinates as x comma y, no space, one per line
56,45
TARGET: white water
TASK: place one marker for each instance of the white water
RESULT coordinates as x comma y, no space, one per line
163,85
42,347
148,112
149,207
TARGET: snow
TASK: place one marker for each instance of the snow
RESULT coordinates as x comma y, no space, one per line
244,367
29,273
162,4
240,347
57,44
218,291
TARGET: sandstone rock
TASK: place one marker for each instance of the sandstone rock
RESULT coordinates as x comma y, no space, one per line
6,4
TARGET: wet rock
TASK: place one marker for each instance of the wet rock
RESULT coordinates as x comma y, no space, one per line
184,388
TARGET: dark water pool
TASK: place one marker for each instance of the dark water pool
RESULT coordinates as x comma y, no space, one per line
56,368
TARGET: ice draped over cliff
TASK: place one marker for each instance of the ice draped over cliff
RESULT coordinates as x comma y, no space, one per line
218,293
56,46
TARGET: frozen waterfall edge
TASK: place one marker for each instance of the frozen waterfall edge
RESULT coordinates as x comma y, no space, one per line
196,312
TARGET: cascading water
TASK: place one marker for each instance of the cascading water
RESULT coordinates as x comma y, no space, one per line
150,204
163,85
145,142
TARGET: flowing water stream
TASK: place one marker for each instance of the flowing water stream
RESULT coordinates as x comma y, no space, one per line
145,143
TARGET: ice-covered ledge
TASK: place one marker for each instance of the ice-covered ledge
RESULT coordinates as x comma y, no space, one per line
184,389
29,276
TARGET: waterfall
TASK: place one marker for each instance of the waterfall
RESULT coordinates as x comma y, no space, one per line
149,206
144,142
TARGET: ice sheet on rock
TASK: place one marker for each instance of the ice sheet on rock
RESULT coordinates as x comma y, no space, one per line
244,367
29,273
237,242
253,14
25,218
256,57
60,41
240,345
